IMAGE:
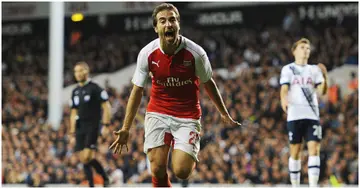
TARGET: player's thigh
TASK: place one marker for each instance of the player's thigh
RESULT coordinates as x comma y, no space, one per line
186,134
159,155
87,155
182,163
157,132
158,158
313,137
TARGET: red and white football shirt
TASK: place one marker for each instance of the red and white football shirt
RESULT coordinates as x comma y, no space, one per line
176,78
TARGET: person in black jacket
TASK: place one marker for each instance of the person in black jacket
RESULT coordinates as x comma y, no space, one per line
88,101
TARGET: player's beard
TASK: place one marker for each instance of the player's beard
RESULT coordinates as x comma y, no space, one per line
172,42
82,80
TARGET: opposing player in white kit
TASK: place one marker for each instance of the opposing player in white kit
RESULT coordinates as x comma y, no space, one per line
300,83
177,67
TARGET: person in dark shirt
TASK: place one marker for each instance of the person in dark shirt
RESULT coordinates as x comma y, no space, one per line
88,101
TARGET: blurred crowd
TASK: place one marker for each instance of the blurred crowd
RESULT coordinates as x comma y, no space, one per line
333,46
255,153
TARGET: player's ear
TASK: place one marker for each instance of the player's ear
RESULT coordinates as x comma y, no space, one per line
156,30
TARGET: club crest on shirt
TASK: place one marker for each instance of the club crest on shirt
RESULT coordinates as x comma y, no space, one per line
187,63
87,98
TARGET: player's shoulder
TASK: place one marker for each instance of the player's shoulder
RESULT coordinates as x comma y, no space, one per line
150,47
93,85
192,46
314,67
288,66
77,87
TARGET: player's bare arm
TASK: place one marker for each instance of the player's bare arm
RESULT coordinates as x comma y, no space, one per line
73,115
283,97
323,87
131,110
106,117
106,107
214,94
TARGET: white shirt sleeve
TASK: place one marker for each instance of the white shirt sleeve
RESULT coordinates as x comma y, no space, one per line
142,70
104,95
203,67
285,76
318,76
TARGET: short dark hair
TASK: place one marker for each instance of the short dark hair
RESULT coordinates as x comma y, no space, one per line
302,40
164,6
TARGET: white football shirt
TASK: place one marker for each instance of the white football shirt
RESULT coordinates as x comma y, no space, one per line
302,97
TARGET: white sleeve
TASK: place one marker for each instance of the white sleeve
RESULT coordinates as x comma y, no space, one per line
203,67
285,76
142,70
318,76
104,96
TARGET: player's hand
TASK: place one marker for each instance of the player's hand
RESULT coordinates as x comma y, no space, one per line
228,120
121,140
322,68
284,105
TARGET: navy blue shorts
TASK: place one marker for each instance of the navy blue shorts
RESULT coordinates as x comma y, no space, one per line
308,129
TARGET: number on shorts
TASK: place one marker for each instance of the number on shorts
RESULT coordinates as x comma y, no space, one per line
317,131
193,137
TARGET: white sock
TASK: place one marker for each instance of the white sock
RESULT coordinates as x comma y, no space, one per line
313,170
294,168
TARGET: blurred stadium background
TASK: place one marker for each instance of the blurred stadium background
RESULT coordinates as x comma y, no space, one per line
247,43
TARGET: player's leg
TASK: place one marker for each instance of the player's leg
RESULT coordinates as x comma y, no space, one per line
295,138
89,156
83,153
158,158
187,145
184,169
313,137
158,141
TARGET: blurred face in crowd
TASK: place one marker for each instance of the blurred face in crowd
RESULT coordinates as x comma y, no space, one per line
167,26
302,51
81,73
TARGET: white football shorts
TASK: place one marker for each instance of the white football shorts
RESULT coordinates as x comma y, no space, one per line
178,133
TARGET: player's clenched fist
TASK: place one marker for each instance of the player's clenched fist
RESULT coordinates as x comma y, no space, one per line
121,140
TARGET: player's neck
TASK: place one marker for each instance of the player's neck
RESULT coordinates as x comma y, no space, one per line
301,62
170,49
82,83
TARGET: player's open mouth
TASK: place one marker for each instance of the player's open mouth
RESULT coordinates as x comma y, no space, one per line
169,34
